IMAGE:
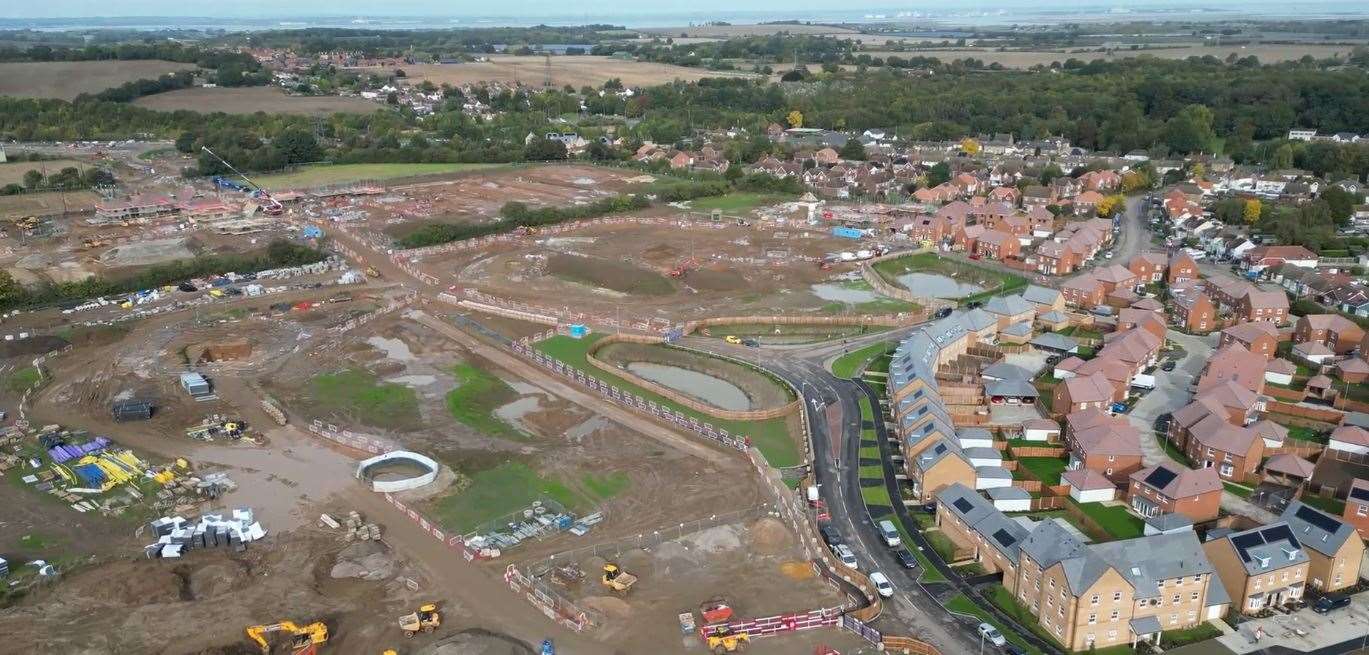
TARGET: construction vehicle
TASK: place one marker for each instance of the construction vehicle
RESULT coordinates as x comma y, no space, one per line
426,619
617,579
269,205
303,638
715,610
723,640
372,272
683,267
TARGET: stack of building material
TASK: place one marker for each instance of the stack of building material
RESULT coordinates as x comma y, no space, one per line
359,530
64,452
175,535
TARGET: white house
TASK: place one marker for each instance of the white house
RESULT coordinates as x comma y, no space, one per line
1088,486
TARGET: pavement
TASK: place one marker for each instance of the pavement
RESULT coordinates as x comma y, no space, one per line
1305,631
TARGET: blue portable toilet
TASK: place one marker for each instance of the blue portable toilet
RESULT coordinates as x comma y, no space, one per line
578,331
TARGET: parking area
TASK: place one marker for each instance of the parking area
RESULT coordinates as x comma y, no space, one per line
1303,630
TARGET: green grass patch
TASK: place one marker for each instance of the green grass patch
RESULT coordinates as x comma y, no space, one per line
1308,434
929,572
23,379
847,365
501,490
961,604
737,202
359,394
324,174
606,486
876,496
770,436
1046,469
1243,492
1201,632
1332,506
473,402
1171,449
942,545
971,570
1115,519
1003,600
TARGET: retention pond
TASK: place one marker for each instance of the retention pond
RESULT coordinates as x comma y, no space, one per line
713,390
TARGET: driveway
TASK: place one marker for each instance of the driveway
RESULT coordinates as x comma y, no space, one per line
1171,389
1317,630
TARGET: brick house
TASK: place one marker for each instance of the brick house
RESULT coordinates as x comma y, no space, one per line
1235,451
1054,258
1079,393
1260,338
1194,312
1334,331
1115,277
1263,256
1269,306
1170,488
1084,291
1104,443
1182,268
1357,507
993,244
1148,267
1260,568
1334,550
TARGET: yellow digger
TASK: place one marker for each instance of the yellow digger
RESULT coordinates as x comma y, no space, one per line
724,640
303,639
617,579
426,619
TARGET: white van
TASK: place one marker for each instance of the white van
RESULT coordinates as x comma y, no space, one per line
882,584
846,556
890,534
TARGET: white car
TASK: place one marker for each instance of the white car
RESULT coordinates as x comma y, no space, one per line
846,556
992,635
881,584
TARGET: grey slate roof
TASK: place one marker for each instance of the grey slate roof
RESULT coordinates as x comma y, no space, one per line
1145,625
1008,306
980,452
1169,521
1316,529
1009,493
1005,371
1040,295
1267,548
1018,329
973,433
1146,560
979,514
1011,389
1053,341
1054,316
977,319
992,472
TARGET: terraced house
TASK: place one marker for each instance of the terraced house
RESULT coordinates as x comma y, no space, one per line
1260,568
1334,550
1087,595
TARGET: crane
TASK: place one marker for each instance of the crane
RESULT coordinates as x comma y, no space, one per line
271,206
304,638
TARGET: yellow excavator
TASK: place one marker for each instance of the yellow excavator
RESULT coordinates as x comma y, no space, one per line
426,619
303,638
617,579
723,640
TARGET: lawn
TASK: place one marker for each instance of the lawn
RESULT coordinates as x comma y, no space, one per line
1046,469
736,203
1308,434
473,402
498,491
847,365
942,545
1116,519
1243,492
1201,632
325,174
1003,600
23,379
1331,506
961,604
770,436
358,393
1171,449
606,486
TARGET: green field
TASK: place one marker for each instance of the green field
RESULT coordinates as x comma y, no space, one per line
739,202
847,365
325,174
771,436
359,394
474,401
506,488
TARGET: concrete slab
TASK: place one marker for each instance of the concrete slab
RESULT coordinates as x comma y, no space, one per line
1319,631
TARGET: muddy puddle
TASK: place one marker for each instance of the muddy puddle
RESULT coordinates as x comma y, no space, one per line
393,348
712,390
937,285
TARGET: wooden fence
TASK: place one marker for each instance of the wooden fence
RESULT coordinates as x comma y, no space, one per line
1036,451
1325,415
1291,395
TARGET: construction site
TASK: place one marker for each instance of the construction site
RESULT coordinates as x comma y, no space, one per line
503,492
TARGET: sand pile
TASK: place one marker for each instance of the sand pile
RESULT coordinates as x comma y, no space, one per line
768,536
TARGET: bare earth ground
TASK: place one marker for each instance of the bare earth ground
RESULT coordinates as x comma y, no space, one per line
575,70
46,203
252,99
67,79
1027,59
13,172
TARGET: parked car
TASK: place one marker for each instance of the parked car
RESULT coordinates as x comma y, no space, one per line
882,584
1326,604
1013,650
751,343
929,508
974,305
943,312
830,535
992,635
846,555
890,534
907,559
1162,422
1168,365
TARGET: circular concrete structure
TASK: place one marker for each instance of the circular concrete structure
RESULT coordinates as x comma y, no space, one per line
429,466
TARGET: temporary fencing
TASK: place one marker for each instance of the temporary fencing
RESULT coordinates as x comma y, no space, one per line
397,303
366,442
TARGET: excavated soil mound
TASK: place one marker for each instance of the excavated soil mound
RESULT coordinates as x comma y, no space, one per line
768,536
131,585
31,346
609,606
368,560
797,570
216,579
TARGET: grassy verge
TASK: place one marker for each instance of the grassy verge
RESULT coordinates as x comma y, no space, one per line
474,401
1003,600
994,282
770,436
942,545
494,492
1243,492
847,365
1046,469
1331,506
359,394
741,201
961,604
1201,632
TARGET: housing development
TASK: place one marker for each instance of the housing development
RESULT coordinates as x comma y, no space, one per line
791,337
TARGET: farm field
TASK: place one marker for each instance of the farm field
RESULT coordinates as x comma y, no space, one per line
252,99
1027,59
13,172
48,203
341,173
575,70
64,80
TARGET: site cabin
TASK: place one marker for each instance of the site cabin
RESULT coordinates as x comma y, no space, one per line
195,384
